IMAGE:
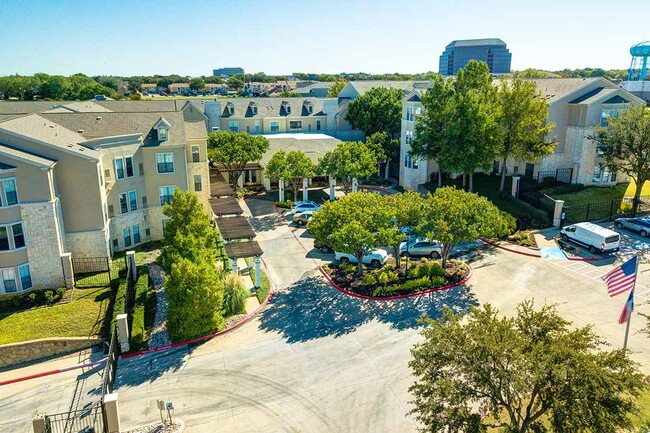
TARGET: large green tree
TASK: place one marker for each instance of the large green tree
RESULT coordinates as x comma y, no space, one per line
336,88
355,224
197,84
55,87
407,212
293,166
348,160
533,372
233,150
379,109
452,216
625,144
386,149
523,116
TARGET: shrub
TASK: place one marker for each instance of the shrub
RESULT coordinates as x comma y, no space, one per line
49,296
383,291
234,295
416,285
369,280
284,204
348,268
137,318
60,292
382,278
566,189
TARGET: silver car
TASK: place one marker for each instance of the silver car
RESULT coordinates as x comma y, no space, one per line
639,225
420,248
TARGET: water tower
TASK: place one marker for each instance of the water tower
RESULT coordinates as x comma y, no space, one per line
639,67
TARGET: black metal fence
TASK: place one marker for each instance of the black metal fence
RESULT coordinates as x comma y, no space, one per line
88,420
108,376
553,177
97,271
606,210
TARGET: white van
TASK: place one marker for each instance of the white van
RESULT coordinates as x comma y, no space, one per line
593,236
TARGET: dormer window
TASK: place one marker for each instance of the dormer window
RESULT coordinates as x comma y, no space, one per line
162,134
230,108
310,108
287,108
253,107
162,128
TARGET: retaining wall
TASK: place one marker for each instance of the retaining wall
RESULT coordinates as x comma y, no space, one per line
34,350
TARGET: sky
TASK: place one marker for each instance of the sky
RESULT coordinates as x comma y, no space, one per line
193,37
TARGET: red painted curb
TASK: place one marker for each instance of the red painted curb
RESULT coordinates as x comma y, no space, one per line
206,337
523,253
390,298
51,372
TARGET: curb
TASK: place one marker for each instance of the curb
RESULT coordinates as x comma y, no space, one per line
523,253
206,337
392,298
51,372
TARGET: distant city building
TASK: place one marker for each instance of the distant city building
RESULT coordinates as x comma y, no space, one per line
227,72
492,51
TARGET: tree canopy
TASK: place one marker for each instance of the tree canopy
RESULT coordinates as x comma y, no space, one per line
530,373
523,122
379,109
625,145
452,216
197,84
336,88
234,150
348,159
292,166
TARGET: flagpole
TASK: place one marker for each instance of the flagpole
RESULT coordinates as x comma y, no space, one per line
629,317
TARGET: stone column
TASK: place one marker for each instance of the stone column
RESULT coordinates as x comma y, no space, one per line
305,189
132,268
257,272
123,329
240,181
355,184
515,185
112,412
281,186
332,188
68,273
557,213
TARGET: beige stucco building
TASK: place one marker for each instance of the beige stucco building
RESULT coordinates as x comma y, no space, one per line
575,105
90,184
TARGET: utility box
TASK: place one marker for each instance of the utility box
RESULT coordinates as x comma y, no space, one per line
123,329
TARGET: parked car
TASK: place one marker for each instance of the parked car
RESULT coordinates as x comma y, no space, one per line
374,258
593,236
301,206
639,225
303,218
420,248
323,247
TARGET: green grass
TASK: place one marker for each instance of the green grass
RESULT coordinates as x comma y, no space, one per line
265,286
142,252
593,194
87,314
138,330
488,187
118,307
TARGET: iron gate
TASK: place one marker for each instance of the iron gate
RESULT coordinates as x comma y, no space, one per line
87,420
96,271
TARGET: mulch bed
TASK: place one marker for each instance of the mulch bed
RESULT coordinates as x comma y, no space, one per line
454,273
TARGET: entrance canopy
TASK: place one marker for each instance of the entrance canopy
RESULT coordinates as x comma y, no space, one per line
239,250
235,228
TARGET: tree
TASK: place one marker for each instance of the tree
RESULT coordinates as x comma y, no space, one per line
79,82
523,119
92,89
56,87
430,128
188,232
529,373
235,83
287,94
234,150
625,144
384,148
534,73
452,216
197,84
354,224
195,294
336,88
407,211
348,159
293,166
379,109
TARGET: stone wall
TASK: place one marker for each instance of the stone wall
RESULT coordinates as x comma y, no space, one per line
88,244
128,220
17,353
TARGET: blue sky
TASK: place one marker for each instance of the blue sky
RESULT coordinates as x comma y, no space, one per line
191,37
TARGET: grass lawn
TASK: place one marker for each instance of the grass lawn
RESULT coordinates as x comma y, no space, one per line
594,194
88,313
265,287
143,253
488,187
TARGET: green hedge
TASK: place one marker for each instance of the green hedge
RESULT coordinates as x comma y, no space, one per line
137,317
119,286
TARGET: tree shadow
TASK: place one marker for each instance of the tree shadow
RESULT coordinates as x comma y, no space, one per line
145,368
312,309
265,223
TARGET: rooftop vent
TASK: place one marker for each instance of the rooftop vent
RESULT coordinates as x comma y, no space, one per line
98,118
80,131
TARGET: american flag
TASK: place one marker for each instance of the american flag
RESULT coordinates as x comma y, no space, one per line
621,279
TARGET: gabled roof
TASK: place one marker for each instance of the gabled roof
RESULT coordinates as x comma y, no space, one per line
162,122
314,145
273,107
21,155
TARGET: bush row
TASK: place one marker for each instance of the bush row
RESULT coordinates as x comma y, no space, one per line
36,298
141,288
284,204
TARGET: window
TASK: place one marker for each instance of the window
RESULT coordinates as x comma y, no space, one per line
196,157
4,239
287,108
197,182
596,177
165,162
19,235
613,177
147,232
295,125
144,201
409,137
9,280
10,191
605,115
318,125
162,133
124,207
275,126
129,166
166,193
25,277
136,234
250,176
415,163
257,124
127,237
115,243
133,200
233,125
119,168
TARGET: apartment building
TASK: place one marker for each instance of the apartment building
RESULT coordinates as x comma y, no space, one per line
90,184
575,105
